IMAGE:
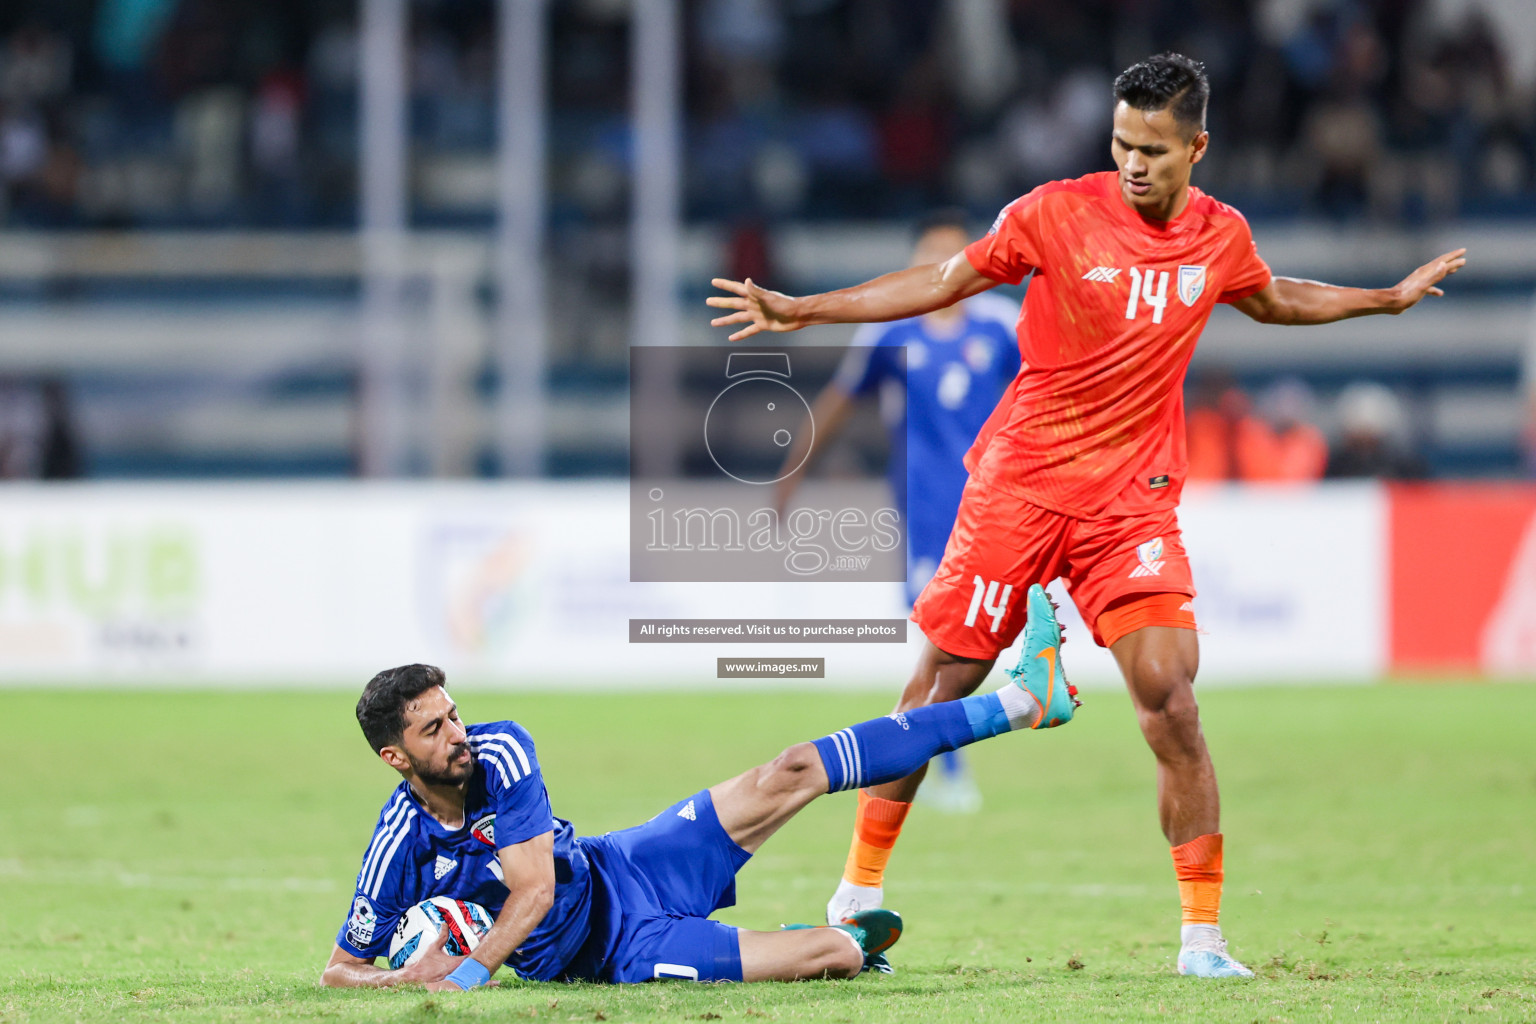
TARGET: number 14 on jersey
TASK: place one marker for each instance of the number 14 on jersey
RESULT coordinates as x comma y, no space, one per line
1141,291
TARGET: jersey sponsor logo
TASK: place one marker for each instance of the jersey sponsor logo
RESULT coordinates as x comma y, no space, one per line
485,830
1157,483
1142,291
1150,555
1191,284
361,922
688,812
443,866
1104,275
991,597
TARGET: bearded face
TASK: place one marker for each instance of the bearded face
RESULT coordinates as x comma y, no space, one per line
450,768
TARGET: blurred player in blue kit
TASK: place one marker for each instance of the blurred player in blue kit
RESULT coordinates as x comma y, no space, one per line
472,821
937,378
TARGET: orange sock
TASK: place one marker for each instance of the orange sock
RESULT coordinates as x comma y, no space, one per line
1197,864
875,828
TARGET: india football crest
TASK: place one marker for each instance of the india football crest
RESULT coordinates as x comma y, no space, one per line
1191,283
1150,555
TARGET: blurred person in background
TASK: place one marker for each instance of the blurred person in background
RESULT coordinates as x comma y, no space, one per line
1221,432
1296,449
1373,436
958,362
37,434
1230,437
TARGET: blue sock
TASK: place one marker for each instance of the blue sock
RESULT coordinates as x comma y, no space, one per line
952,764
891,748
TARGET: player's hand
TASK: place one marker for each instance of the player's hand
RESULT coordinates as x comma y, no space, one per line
435,965
758,308
1422,282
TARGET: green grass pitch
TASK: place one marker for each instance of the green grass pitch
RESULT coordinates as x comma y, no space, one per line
189,856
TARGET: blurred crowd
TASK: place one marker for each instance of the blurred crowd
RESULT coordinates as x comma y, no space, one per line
1283,434
156,112
1279,435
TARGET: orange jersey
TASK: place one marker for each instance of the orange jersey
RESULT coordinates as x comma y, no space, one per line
1094,424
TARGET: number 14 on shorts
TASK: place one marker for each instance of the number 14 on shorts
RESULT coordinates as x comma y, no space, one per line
990,596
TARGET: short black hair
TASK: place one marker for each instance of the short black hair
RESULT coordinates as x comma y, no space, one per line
944,217
381,708
1169,81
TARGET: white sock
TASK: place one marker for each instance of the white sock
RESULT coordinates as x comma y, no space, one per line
849,898
1195,932
1022,709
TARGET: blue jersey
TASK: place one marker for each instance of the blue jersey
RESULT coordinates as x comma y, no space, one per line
934,407
413,857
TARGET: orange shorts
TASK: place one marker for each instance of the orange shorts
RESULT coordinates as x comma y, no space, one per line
974,606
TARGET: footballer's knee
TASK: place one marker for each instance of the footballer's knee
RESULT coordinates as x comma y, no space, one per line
1166,707
838,955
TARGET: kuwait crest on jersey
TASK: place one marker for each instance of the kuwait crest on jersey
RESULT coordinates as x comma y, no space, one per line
1191,283
485,830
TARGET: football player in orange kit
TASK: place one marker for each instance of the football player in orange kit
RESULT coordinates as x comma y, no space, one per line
1078,472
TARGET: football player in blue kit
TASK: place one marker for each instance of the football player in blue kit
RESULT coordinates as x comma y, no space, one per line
471,820
937,378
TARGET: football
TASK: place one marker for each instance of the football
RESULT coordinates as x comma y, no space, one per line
465,923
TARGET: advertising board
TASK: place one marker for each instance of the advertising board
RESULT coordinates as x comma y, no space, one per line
528,585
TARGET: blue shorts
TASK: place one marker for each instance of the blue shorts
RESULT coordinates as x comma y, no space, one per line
926,537
658,883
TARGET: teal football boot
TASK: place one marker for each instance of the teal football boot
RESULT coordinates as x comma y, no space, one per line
1039,672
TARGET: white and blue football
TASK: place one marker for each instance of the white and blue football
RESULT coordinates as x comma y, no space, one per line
418,927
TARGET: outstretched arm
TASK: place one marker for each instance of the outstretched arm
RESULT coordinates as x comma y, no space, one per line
895,296
1287,300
